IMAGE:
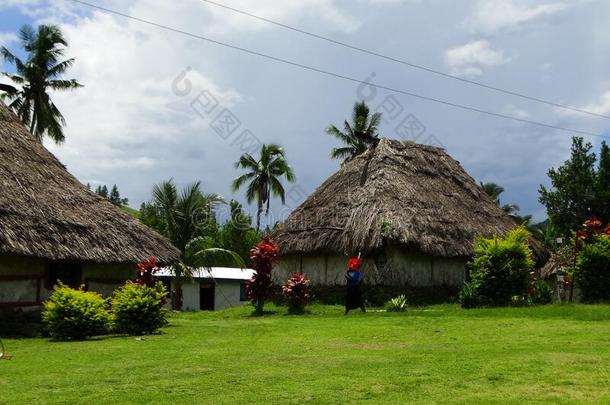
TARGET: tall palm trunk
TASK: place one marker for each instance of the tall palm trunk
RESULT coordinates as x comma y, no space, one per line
259,211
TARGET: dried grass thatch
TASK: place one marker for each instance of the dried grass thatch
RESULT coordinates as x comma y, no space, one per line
46,212
398,192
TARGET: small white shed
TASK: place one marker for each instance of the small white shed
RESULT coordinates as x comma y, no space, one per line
211,289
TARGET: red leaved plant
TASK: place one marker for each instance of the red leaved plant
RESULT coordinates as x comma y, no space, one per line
297,293
260,287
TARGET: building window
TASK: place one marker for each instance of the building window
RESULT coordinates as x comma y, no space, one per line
69,273
242,291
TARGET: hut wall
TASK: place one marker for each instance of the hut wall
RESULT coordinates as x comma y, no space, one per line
395,267
23,280
226,294
105,278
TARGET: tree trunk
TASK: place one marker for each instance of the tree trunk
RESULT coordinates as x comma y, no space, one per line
259,211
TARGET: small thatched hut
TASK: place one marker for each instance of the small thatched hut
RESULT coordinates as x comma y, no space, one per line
410,209
52,227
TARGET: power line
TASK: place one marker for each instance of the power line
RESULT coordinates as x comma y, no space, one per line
337,75
407,63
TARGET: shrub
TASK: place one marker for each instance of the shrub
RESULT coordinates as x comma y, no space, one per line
397,304
138,309
75,314
260,288
297,293
592,274
468,297
500,267
542,294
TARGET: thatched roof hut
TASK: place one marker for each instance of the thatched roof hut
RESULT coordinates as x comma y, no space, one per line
413,197
45,212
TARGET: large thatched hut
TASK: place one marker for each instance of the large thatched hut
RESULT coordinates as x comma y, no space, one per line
52,227
410,209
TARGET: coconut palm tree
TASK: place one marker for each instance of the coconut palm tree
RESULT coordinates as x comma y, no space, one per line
186,216
357,136
35,76
263,176
493,190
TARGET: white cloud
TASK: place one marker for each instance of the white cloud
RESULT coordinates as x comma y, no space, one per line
469,59
6,38
490,16
514,111
601,106
210,19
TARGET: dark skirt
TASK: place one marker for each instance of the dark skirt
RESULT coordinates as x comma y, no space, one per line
353,298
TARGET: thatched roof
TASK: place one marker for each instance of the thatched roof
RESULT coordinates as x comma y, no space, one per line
46,212
398,192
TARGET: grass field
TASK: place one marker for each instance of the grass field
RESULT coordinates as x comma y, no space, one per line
552,354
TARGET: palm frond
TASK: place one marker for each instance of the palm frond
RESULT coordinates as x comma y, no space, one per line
217,257
64,84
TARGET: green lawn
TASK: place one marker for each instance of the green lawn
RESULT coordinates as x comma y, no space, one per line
552,354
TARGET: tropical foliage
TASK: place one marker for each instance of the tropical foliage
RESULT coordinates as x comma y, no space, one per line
356,136
37,75
259,288
296,292
75,314
137,309
263,177
580,189
592,272
500,268
188,219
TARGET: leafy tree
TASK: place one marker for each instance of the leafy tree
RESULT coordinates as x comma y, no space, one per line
358,135
150,215
603,184
237,233
102,191
115,197
572,198
40,72
263,176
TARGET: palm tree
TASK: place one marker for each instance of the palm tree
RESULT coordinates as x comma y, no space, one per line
200,253
186,216
357,136
263,176
493,190
39,73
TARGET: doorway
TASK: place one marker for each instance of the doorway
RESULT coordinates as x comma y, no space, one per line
206,296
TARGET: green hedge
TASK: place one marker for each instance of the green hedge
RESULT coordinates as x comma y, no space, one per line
75,314
499,270
137,309
593,270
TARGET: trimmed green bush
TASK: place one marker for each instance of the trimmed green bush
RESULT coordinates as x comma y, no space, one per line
138,309
500,268
592,273
75,314
397,304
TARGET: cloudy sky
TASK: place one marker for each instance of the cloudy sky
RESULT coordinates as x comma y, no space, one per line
159,105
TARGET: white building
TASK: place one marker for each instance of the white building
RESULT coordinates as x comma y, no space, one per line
211,289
